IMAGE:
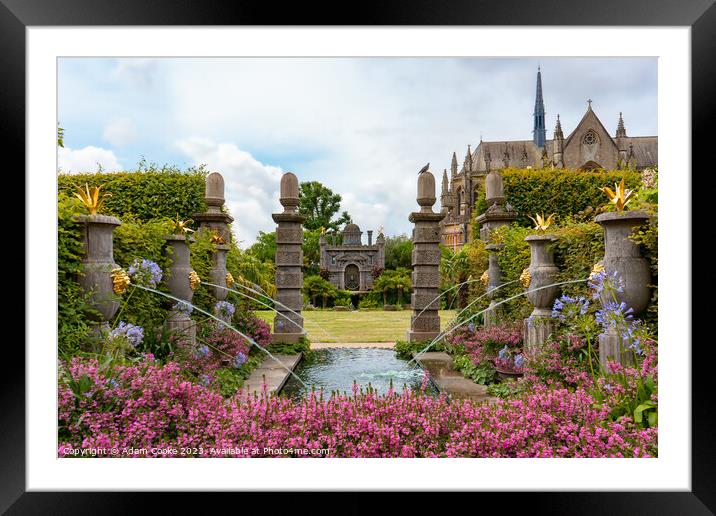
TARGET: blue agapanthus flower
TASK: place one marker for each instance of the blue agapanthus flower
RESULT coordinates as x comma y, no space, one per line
239,360
605,282
204,380
184,308
134,334
519,360
145,272
503,352
224,309
614,314
202,351
566,307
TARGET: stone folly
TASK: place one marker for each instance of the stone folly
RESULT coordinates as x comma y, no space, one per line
216,221
499,212
96,271
543,271
622,255
179,284
350,265
288,326
425,321
494,281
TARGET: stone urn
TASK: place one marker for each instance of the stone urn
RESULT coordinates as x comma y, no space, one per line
543,272
97,265
622,255
218,271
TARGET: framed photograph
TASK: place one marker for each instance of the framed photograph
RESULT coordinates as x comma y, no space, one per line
429,251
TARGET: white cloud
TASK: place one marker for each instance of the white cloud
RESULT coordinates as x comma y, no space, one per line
251,187
87,159
138,71
120,132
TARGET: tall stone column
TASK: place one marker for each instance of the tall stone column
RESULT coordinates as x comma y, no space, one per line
179,282
426,263
96,271
623,256
217,222
543,271
288,327
494,274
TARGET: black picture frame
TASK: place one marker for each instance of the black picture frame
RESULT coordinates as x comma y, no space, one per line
700,15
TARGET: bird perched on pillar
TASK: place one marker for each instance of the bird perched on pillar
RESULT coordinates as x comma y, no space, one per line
424,169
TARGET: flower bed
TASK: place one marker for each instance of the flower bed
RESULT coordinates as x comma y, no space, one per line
154,407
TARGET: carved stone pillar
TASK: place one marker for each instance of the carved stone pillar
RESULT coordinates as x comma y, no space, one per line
179,284
426,263
217,222
494,281
288,327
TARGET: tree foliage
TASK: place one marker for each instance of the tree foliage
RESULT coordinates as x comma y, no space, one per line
319,205
398,252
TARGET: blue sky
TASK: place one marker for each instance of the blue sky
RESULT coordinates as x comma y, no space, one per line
362,126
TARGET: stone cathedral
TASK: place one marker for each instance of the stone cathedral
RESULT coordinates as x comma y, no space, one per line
588,147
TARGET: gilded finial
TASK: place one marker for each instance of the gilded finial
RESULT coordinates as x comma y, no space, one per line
620,196
540,223
181,227
216,238
91,198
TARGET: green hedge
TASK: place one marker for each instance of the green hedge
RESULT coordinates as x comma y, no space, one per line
145,195
72,328
564,192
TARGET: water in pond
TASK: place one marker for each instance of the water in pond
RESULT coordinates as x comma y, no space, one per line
335,369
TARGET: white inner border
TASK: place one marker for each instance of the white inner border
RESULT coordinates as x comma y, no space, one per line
672,470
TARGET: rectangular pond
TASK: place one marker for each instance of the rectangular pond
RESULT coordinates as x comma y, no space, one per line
335,369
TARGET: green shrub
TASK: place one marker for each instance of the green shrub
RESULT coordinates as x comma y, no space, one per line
368,302
284,348
343,299
72,329
564,192
405,349
483,373
147,193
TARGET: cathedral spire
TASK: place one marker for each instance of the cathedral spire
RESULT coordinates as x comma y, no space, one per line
468,159
621,131
445,183
453,165
539,131
558,134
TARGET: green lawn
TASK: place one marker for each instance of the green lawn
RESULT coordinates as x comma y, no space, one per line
356,326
